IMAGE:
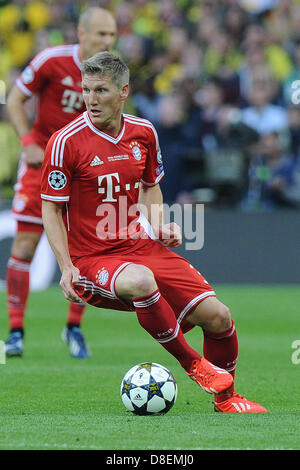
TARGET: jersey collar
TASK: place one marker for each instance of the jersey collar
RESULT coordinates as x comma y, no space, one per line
106,136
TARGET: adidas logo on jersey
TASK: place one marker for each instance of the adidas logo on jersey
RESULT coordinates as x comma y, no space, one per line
96,161
68,81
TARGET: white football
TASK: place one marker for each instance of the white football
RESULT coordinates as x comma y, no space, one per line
148,388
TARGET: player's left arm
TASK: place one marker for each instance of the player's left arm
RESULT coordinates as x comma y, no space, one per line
151,204
150,196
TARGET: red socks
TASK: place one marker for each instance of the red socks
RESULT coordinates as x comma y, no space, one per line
75,313
17,279
221,349
157,317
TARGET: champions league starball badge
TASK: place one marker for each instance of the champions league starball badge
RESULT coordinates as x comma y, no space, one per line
57,180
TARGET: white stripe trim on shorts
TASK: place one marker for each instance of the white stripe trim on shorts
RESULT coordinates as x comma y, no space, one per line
90,286
116,273
193,302
28,218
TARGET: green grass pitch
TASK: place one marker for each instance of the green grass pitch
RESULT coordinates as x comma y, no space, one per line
49,400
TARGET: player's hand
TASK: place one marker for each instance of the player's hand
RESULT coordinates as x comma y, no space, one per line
69,277
170,235
34,155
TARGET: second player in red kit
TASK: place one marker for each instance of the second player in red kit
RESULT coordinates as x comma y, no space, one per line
54,77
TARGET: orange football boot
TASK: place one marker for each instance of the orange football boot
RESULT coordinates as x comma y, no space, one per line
211,378
238,404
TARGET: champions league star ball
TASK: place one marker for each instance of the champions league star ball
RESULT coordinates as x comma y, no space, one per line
148,388
57,179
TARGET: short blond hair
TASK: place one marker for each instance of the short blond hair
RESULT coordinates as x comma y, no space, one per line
109,64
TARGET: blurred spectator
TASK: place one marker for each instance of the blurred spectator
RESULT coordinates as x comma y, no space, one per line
235,21
257,36
254,59
258,6
261,115
222,57
172,143
272,174
294,22
147,101
217,148
294,131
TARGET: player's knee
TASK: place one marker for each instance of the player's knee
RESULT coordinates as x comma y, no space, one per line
24,247
135,281
211,315
220,319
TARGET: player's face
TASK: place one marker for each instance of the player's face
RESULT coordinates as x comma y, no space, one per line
100,36
104,102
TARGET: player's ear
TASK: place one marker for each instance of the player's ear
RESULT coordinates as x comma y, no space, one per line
124,92
80,34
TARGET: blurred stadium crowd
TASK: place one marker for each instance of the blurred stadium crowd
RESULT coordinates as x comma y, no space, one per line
218,79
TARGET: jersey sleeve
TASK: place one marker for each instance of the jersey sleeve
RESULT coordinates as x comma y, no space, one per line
154,170
35,75
57,170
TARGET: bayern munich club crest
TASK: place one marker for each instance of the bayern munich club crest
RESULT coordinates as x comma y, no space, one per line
57,180
102,276
135,149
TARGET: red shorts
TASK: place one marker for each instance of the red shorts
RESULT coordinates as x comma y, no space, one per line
178,281
27,203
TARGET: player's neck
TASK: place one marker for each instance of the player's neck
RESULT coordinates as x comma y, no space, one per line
82,55
112,128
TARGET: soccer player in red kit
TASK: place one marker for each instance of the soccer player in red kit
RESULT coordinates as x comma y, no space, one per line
53,75
96,171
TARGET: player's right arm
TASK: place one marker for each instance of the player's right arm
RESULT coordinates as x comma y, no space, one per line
56,182
57,237
32,81
16,108
16,100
